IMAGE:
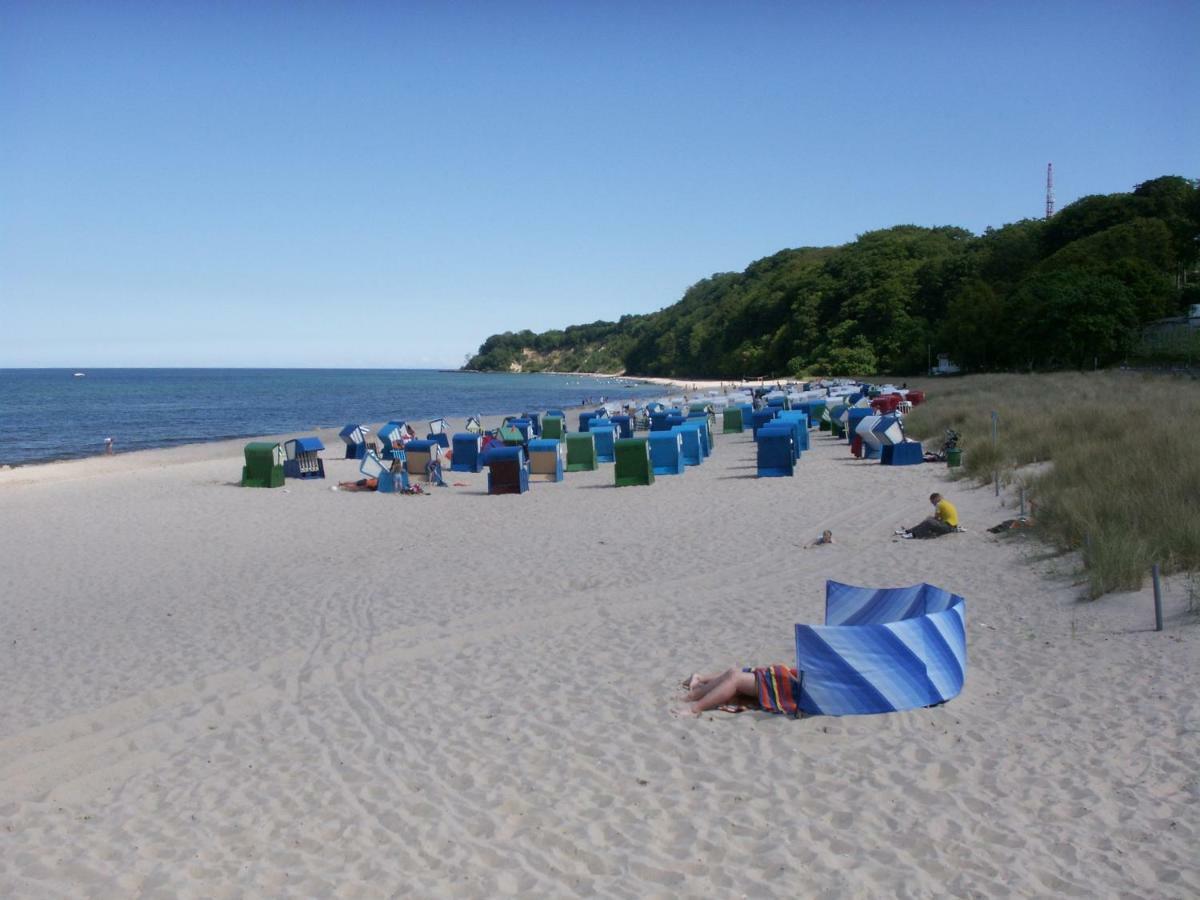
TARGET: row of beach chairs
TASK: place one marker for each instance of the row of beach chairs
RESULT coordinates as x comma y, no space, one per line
534,447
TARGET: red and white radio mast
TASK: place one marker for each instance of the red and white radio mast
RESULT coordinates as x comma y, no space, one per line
1049,190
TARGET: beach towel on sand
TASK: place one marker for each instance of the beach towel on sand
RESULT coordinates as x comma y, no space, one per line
778,687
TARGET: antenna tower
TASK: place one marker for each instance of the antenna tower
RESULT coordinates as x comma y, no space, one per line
1049,190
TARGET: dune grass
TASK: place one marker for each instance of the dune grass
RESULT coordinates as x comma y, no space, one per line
1123,486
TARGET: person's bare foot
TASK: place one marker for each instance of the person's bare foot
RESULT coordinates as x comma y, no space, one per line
689,683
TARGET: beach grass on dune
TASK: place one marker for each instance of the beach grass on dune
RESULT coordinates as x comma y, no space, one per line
1123,484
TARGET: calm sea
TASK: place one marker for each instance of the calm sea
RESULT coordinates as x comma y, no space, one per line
49,414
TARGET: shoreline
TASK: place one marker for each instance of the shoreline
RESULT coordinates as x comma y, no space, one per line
325,432
329,433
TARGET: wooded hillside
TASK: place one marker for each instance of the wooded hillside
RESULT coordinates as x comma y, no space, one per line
1054,293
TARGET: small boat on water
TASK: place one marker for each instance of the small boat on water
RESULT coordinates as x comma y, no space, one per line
80,375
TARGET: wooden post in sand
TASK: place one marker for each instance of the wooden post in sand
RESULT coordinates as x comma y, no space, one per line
995,436
1157,598
1022,501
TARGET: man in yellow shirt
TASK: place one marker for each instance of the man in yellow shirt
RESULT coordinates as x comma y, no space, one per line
943,521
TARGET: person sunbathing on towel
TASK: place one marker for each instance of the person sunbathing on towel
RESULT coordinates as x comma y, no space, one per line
774,688
943,521
363,484
368,484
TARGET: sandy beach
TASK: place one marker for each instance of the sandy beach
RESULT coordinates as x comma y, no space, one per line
213,691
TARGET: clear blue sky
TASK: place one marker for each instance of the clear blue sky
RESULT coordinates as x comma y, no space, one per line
386,184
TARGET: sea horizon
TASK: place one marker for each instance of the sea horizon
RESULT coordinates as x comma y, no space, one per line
49,414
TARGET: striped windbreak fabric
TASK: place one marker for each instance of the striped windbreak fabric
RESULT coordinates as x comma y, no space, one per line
882,650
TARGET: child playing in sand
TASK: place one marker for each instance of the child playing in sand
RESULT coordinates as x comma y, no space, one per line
825,538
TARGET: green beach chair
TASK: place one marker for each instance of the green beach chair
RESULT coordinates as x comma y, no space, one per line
553,428
633,462
581,452
731,421
510,436
264,465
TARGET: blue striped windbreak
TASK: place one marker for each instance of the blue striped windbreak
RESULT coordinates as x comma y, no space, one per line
882,650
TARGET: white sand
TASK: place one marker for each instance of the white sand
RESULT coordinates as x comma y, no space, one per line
213,691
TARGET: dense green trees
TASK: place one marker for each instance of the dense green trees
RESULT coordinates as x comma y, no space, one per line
1057,293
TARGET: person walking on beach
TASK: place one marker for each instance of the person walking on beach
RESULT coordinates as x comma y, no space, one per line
943,521
108,446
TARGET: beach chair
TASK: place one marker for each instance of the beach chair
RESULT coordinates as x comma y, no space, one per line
800,418
816,410
391,436
775,452
302,458
905,453
507,471
474,425
624,424
731,420
604,435
554,427
795,427
525,426
547,459
836,427
690,443
466,453
264,465
854,417
387,481
666,452
535,420
897,449
581,452
586,418
762,417
632,462
510,436
357,443
658,421
882,650
438,433
872,444
418,456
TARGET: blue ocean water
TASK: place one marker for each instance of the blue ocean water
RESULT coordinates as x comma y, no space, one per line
49,414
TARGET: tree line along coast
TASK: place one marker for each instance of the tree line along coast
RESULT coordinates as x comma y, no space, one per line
1077,290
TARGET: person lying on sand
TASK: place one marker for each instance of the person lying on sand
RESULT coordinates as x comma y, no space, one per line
363,484
943,521
774,688
369,484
